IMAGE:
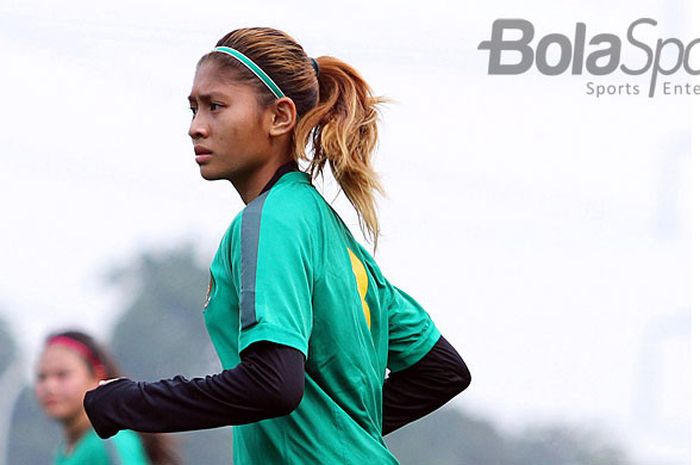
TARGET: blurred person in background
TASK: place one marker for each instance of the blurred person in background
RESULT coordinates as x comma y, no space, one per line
70,364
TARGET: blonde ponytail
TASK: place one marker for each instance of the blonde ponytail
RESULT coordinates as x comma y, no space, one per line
342,130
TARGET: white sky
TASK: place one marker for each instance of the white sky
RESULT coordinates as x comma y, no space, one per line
546,231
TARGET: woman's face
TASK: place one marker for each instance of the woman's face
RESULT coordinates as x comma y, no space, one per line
62,379
229,127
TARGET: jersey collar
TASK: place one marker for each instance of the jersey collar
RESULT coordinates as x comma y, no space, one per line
282,170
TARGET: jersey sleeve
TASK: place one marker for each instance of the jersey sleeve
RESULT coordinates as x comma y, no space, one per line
411,331
276,274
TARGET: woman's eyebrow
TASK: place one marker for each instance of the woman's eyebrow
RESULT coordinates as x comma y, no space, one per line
205,97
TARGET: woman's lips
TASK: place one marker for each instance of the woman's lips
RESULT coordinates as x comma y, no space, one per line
50,402
202,154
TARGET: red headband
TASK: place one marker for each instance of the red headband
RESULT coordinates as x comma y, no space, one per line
81,348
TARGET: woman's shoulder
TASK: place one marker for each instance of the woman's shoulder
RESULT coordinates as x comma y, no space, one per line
126,437
89,449
128,448
293,203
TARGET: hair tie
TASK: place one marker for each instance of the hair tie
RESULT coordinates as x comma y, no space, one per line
255,69
314,63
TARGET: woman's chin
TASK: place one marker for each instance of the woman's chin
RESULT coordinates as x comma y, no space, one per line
56,412
209,174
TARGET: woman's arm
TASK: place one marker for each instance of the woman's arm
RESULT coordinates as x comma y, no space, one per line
269,382
424,387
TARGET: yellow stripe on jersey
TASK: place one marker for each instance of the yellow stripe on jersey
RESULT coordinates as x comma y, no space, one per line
361,277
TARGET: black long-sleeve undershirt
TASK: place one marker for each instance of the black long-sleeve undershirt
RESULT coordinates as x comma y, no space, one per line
427,385
269,382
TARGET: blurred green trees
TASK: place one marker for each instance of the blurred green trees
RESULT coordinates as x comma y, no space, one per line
452,437
161,334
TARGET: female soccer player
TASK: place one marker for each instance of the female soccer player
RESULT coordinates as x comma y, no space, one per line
305,324
72,363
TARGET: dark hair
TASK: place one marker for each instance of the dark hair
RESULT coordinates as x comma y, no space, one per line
159,448
336,108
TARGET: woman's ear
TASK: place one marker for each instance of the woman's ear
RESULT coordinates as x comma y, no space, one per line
284,117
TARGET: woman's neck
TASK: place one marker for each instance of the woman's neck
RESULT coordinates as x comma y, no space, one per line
74,429
250,187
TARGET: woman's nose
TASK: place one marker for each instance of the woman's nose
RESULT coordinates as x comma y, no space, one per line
198,128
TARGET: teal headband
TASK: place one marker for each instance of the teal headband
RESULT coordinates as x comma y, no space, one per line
257,70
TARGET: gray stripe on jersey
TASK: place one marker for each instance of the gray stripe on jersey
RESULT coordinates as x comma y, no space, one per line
250,235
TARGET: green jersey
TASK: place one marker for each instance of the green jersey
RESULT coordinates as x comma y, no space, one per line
123,449
289,271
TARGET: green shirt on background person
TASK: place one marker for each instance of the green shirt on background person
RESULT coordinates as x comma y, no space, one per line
124,448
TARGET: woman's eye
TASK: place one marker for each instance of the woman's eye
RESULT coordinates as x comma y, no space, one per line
193,110
214,106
